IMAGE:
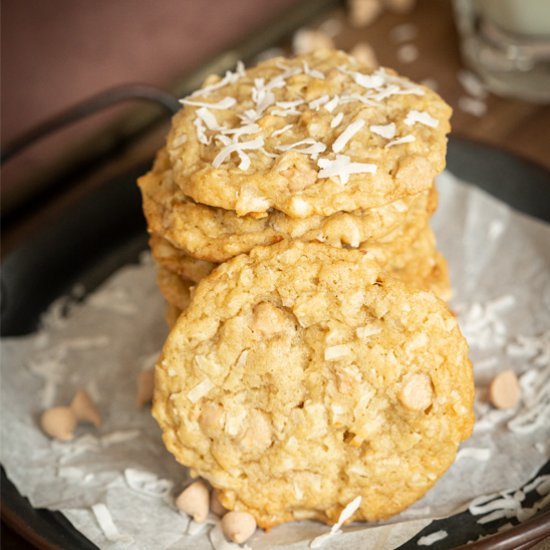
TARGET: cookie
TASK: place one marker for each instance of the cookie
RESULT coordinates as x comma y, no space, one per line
215,235
301,376
171,314
173,259
175,289
412,261
313,135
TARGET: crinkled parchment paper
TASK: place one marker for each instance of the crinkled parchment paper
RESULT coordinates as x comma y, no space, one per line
500,265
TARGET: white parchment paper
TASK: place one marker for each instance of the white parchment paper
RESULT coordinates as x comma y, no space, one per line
500,266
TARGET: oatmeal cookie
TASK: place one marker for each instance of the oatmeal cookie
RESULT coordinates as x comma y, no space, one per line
177,261
301,376
417,263
175,289
313,135
215,234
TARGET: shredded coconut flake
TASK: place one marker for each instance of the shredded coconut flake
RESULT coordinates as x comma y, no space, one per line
405,139
194,528
313,147
473,453
282,130
336,120
107,525
508,504
341,167
118,436
346,514
387,131
201,132
147,483
285,112
241,130
314,73
225,103
428,540
209,118
200,390
368,81
316,103
423,118
289,104
332,104
229,78
234,147
343,139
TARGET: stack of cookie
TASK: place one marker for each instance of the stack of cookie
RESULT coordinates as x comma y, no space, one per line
314,367
314,149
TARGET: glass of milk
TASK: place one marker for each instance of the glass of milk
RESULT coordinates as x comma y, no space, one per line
507,42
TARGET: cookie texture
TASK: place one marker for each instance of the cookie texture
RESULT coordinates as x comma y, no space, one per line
216,235
175,289
417,264
301,376
313,135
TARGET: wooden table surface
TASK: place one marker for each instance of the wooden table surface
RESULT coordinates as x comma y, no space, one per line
517,126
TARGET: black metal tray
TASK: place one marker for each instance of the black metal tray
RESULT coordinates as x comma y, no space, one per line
105,229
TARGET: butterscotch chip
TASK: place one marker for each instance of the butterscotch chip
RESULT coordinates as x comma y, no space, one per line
363,12
365,54
416,392
59,423
504,390
238,526
366,389
308,40
268,319
215,235
194,501
243,142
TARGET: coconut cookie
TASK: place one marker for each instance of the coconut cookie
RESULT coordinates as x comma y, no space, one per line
175,289
412,261
215,235
313,135
301,376
173,259
419,264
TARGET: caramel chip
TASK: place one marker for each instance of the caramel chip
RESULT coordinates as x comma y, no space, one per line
504,390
